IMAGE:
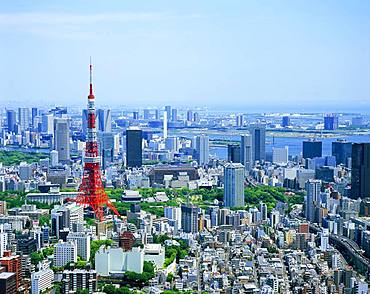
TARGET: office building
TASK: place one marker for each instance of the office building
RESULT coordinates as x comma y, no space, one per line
174,114
110,260
173,213
360,184
234,185
134,147
285,121
165,121
8,283
65,216
233,153
246,151
25,171
47,124
263,210
146,114
342,150
3,240
330,122
357,121
64,252
189,218
280,155
11,120
12,264
202,149
83,243
135,115
167,109
23,118
106,148
189,115
42,280
258,133
312,148
313,188
104,120
62,139
54,158
76,280
34,114
240,120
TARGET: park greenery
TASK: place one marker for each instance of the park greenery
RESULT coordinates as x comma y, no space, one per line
39,256
8,158
205,197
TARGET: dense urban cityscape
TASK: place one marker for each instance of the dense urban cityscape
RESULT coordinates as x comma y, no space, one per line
211,146
183,200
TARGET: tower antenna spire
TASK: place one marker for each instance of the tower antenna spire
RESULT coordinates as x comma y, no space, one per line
91,87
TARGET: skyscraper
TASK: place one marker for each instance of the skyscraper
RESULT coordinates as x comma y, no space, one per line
330,122
280,155
285,121
106,148
246,151
189,218
168,110
11,120
34,113
146,113
189,115
24,118
47,124
233,153
174,114
234,185
258,133
312,148
104,120
360,184
342,150
313,188
134,147
202,149
62,139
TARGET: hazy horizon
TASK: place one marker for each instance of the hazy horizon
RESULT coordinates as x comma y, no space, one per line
252,56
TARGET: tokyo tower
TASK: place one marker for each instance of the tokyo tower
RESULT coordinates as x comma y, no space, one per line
91,189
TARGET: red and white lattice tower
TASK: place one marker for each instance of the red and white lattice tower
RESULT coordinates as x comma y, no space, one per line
92,192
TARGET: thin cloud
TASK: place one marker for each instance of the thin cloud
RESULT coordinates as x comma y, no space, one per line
58,18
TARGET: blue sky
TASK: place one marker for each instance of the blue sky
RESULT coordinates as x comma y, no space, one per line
238,55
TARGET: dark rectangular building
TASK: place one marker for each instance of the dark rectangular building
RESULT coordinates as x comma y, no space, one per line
134,147
8,283
342,150
312,149
360,184
189,218
233,153
285,122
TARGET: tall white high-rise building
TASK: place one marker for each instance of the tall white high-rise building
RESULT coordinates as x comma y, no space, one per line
324,240
64,253
54,157
3,240
62,139
246,151
24,118
202,149
42,280
313,188
165,119
173,213
258,133
83,243
234,185
280,155
47,124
